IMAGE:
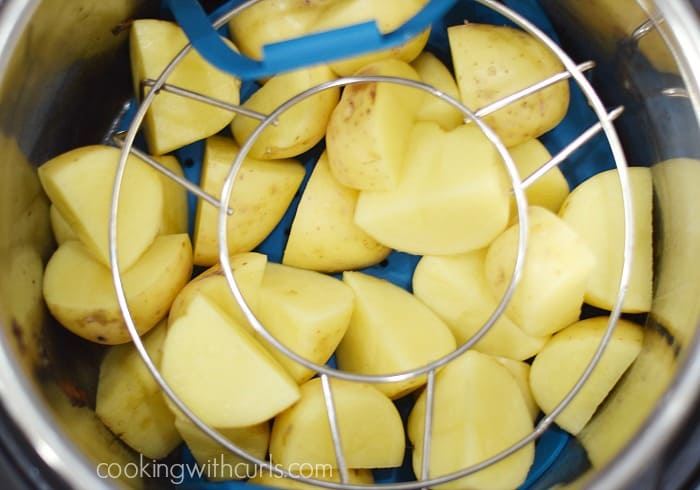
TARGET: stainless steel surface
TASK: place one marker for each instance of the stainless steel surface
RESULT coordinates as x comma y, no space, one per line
47,91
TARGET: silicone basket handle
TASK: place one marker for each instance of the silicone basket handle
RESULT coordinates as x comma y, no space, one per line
316,48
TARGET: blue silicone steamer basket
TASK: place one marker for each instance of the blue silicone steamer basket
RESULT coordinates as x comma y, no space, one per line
554,446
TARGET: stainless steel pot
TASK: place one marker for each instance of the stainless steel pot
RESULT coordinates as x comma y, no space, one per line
64,76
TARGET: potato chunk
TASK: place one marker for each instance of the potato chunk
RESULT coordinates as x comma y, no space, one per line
261,195
370,428
492,62
388,14
452,197
174,121
324,236
595,210
80,184
208,359
131,403
434,73
390,331
558,266
455,288
219,463
561,363
307,311
79,291
550,190
478,412
248,269
370,127
300,127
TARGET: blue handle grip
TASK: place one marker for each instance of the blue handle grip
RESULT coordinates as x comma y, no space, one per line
321,47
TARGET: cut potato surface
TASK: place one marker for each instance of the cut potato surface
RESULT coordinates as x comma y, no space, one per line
550,190
62,230
390,331
368,133
80,184
452,197
307,311
248,269
324,236
80,294
434,73
595,210
261,194
558,265
478,412
299,128
175,218
455,288
219,463
492,62
370,428
174,121
207,361
563,360
130,401
521,373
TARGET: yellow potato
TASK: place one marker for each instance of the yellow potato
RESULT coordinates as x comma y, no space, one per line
558,266
80,183
388,14
433,72
174,199
455,288
550,190
299,128
174,220
261,194
390,332
492,62
23,303
596,212
618,419
271,21
370,428
62,230
452,198
561,363
131,403
218,463
369,130
521,373
307,311
80,294
324,236
174,121
208,359
89,434
248,269
676,305
478,412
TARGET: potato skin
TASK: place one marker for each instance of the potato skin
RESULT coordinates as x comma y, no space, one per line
492,62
